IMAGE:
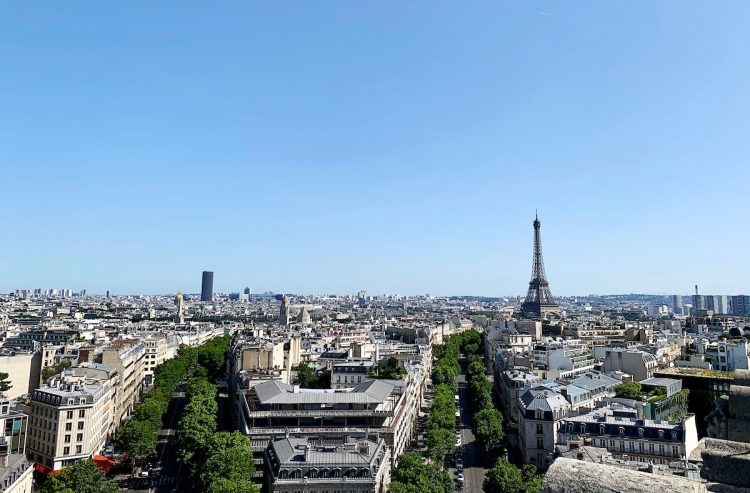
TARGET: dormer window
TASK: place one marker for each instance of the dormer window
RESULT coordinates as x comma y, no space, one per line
661,434
640,432
621,431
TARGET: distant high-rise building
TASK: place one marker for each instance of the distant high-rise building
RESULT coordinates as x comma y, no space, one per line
741,304
677,307
699,302
247,291
207,287
718,303
539,299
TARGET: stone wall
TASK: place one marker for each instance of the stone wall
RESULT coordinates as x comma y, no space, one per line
574,476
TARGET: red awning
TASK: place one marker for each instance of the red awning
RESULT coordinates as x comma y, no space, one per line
103,463
46,470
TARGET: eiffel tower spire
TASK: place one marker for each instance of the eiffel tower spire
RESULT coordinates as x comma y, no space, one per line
539,299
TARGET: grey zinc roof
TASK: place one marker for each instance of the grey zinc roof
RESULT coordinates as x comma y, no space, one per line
291,452
592,380
270,389
275,392
543,400
657,381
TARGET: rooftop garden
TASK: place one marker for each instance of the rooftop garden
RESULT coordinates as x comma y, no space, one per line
390,370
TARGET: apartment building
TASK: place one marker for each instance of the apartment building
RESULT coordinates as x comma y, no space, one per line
355,466
639,364
540,411
350,373
31,340
561,360
23,369
15,469
628,437
69,420
157,351
272,409
127,357
509,385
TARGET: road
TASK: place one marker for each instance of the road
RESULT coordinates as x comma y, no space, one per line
167,478
475,459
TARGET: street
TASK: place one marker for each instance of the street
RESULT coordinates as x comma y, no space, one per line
475,465
165,477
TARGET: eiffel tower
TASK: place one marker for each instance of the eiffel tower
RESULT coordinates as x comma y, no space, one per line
539,299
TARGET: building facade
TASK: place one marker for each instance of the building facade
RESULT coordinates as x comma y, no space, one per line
356,466
15,469
207,286
628,437
540,411
69,421
127,357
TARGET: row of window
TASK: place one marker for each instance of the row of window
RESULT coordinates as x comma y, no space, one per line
79,450
641,448
620,431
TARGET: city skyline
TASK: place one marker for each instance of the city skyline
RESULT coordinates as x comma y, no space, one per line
397,148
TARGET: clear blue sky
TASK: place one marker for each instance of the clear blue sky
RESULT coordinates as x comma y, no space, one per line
397,147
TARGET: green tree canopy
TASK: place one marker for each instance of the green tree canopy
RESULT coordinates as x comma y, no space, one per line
628,390
488,428
4,383
308,378
412,475
504,477
137,439
80,477
440,442
229,465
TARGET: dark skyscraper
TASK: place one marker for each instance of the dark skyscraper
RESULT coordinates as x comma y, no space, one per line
207,287
539,299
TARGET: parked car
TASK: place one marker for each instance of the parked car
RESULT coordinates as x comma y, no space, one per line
459,465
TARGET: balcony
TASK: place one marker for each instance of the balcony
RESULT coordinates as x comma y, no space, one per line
319,413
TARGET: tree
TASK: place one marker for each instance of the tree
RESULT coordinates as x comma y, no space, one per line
229,465
195,428
307,378
151,409
137,439
48,372
412,475
488,428
475,368
4,384
504,477
440,442
81,477
410,467
628,390
481,392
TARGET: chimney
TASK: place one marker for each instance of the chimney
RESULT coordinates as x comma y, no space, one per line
363,448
